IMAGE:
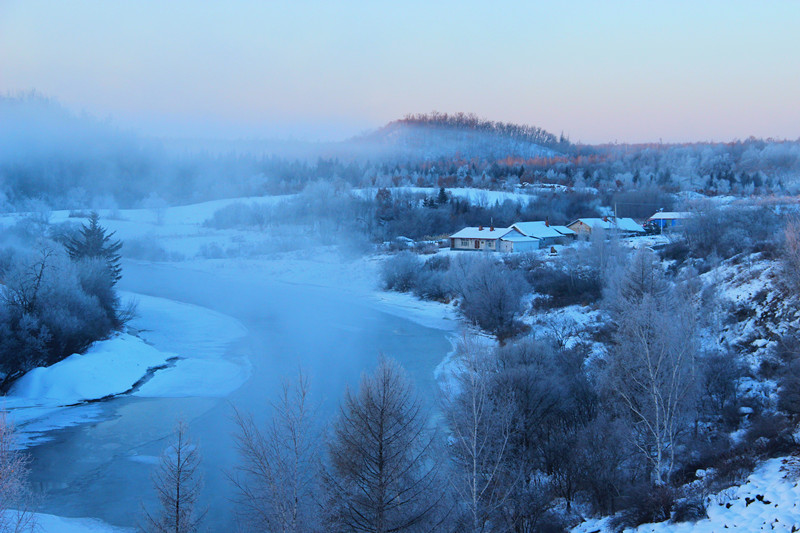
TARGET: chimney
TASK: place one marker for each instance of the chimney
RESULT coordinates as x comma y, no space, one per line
605,219
491,228
480,228
547,222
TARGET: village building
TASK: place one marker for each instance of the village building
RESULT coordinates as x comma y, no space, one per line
480,238
624,226
667,220
540,230
568,234
492,239
515,241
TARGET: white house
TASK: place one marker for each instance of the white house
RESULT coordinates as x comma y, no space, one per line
480,238
492,239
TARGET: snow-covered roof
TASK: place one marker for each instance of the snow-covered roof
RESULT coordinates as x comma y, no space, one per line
625,224
515,236
483,232
670,215
563,230
537,230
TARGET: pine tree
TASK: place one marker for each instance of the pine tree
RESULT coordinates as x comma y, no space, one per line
442,198
94,242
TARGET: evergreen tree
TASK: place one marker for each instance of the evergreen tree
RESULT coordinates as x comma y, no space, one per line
442,198
94,242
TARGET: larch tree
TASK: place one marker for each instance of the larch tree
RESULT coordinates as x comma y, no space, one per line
177,483
383,475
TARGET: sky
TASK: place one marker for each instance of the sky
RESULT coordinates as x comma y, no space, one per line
598,71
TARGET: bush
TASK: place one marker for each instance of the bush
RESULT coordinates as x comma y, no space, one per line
770,434
650,504
399,273
240,215
149,249
566,286
690,509
491,295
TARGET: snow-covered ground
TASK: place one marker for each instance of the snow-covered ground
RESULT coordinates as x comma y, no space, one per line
47,523
768,501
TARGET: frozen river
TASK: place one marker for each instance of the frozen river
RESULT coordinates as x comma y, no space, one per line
102,469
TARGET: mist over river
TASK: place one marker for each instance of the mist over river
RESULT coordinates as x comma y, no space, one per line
103,469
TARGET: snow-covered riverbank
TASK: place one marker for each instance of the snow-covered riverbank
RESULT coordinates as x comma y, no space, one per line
177,350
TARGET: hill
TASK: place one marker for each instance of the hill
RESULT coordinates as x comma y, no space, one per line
439,135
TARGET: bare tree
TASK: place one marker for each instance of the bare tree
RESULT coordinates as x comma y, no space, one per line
276,480
177,483
382,475
652,371
480,427
15,498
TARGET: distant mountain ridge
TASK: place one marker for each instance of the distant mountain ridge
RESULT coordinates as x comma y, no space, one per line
436,135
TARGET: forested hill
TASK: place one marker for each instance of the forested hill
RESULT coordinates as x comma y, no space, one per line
436,135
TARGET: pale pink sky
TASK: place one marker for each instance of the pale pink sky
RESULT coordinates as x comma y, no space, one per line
599,71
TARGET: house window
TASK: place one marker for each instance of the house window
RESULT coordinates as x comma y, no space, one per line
465,243
491,244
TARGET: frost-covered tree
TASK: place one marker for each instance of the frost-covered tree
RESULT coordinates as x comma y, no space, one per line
491,294
276,479
382,475
50,308
652,367
480,424
94,242
15,497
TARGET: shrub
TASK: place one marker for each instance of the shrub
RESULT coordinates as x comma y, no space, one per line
491,295
240,215
565,286
690,509
399,273
149,249
650,504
